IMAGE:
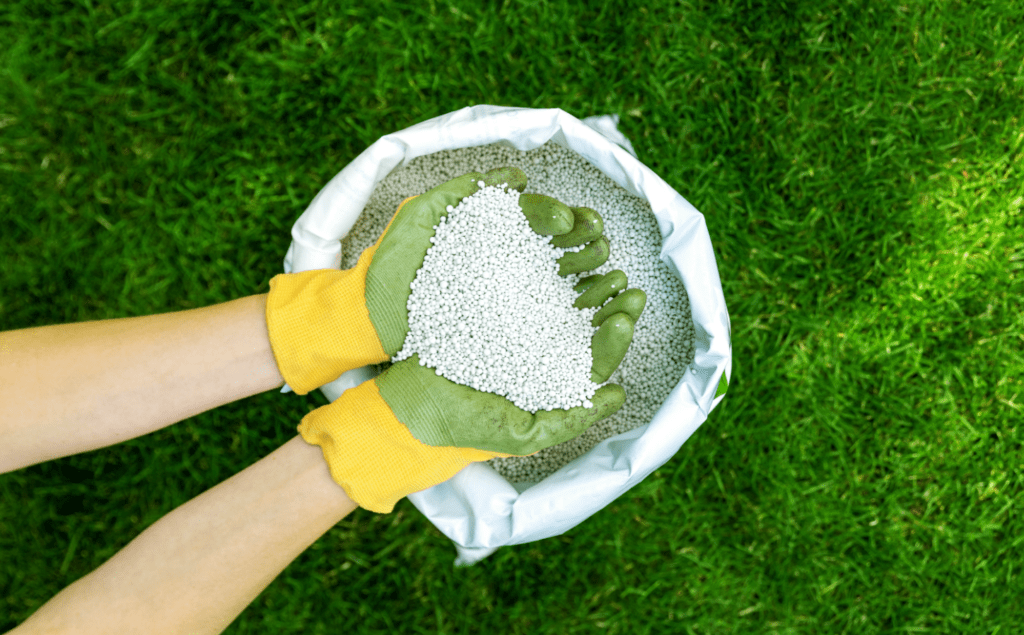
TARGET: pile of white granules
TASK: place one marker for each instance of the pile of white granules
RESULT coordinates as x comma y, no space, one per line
663,338
488,309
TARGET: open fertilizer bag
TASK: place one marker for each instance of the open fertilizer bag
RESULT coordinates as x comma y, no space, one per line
478,508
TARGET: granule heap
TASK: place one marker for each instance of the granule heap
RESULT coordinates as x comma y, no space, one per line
488,309
663,338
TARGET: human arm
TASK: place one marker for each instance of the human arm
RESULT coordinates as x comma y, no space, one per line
198,567
70,388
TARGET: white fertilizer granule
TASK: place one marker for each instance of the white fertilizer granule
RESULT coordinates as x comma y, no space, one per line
488,309
663,338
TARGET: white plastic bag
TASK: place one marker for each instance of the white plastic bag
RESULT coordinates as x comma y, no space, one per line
478,509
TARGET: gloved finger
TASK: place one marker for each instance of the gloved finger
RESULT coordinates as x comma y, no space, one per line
609,346
631,302
512,176
586,283
590,257
562,425
587,226
547,216
598,292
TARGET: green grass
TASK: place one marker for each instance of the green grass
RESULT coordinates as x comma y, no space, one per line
861,169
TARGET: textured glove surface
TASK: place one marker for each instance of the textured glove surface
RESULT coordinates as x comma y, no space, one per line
439,412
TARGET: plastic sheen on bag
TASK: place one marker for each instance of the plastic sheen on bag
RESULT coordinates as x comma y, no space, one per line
477,508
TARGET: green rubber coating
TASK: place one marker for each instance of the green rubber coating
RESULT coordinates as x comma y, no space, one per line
608,286
609,346
514,177
631,302
575,421
547,216
585,283
592,256
587,226
439,412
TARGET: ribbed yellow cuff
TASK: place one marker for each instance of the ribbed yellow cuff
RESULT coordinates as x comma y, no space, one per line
319,326
318,322
373,456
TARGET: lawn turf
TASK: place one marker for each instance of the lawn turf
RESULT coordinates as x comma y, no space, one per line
859,165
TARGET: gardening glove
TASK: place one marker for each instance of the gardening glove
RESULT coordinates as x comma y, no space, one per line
409,428
325,322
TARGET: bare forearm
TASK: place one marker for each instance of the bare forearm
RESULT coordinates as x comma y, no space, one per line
198,567
70,388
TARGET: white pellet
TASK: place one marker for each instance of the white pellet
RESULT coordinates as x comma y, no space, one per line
663,339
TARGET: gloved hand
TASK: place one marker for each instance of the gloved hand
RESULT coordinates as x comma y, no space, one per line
325,322
409,429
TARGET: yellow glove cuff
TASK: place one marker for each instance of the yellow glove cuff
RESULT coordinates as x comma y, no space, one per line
373,456
319,326
318,323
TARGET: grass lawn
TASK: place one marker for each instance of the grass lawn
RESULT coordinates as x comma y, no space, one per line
861,169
